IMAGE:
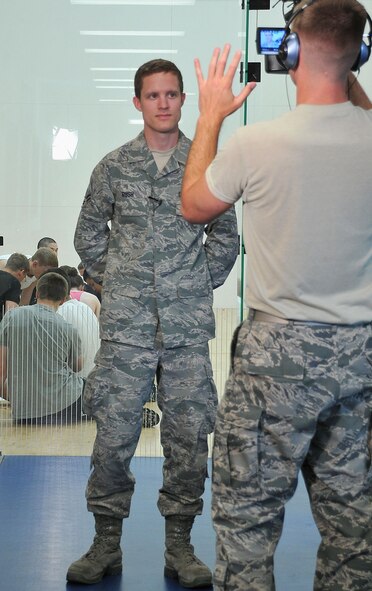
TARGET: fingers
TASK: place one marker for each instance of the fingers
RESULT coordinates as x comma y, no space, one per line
214,62
234,65
217,77
245,92
198,71
221,63
217,65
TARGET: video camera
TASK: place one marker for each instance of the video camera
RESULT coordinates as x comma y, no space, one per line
268,40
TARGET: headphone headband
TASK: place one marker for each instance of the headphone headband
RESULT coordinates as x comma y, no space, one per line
297,12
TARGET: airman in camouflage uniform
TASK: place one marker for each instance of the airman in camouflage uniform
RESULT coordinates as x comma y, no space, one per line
303,405
158,274
299,395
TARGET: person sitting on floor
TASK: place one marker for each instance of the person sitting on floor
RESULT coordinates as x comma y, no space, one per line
92,285
43,260
40,355
15,270
89,283
82,317
77,290
48,243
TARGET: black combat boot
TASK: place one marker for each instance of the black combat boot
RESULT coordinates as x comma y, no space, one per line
104,557
180,560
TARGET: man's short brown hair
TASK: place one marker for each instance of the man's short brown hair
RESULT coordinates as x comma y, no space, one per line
51,286
18,262
45,257
155,67
338,22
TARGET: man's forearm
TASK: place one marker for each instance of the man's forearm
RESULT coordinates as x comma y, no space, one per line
202,151
198,204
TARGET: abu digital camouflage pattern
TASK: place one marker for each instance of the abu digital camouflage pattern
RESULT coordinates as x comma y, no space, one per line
114,396
158,274
298,397
152,262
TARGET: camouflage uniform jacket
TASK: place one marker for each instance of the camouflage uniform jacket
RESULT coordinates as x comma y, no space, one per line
152,263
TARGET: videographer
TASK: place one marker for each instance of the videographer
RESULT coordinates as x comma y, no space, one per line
299,394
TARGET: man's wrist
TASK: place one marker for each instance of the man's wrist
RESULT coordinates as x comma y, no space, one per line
210,121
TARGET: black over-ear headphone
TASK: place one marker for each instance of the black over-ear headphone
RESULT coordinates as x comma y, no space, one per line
289,49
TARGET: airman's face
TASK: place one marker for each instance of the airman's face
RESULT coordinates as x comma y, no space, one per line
160,102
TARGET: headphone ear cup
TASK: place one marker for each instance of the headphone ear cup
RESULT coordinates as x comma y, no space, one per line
363,57
289,51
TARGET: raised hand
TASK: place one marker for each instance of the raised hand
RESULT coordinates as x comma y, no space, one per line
216,98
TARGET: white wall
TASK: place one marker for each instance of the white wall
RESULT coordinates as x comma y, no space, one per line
46,82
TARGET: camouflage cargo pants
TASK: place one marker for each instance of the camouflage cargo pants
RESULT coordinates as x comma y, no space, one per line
298,398
115,393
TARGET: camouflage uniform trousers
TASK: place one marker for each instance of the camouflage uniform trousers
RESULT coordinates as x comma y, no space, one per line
116,390
298,398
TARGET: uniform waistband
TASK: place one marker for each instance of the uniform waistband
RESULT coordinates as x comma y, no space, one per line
258,316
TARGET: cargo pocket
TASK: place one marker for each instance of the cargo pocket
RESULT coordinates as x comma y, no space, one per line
282,368
236,449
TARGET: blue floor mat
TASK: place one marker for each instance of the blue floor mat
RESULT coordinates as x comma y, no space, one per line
44,526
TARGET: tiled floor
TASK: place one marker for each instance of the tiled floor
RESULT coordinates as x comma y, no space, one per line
64,440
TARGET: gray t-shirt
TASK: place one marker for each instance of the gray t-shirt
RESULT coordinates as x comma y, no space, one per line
40,346
306,184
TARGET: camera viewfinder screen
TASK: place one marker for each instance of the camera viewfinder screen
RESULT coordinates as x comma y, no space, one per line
268,39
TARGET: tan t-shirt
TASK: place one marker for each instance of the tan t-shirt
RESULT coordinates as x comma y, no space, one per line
161,158
306,183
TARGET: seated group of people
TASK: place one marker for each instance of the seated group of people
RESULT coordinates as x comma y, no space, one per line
49,335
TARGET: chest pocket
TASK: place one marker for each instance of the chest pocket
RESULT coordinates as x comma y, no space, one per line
130,220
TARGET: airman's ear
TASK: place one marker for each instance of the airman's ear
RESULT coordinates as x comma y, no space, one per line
137,103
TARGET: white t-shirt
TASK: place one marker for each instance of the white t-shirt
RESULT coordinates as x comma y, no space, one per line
83,319
306,184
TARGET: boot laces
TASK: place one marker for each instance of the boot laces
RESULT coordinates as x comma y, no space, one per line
190,558
101,544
